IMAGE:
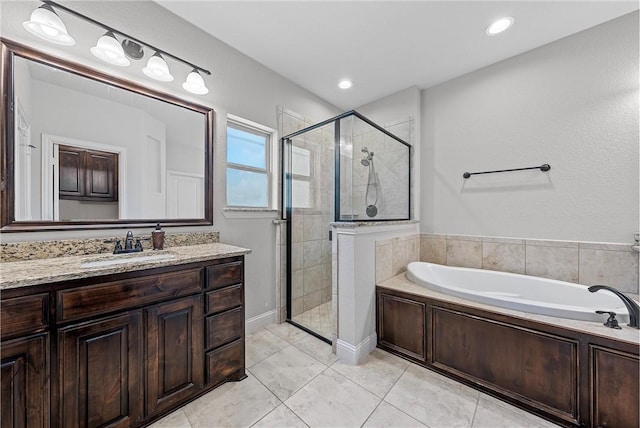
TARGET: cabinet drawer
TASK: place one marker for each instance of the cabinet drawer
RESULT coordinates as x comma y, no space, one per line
224,299
224,362
22,315
224,327
221,275
129,293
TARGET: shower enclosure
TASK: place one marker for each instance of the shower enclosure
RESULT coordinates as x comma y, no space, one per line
345,169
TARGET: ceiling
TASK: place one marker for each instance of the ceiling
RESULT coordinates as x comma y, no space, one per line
386,46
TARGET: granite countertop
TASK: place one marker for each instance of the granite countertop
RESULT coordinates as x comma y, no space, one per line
627,334
45,271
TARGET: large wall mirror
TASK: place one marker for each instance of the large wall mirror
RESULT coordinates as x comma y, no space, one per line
82,149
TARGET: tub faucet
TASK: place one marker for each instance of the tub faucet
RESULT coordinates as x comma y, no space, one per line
632,306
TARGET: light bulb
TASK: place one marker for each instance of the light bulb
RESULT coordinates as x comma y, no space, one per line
499,26
345,84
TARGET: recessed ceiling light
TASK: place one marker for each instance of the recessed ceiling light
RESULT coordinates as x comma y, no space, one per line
499,26
345,84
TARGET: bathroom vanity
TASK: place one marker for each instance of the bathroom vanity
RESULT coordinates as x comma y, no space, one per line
118,344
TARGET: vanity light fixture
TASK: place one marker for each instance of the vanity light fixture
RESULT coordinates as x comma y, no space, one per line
109,50
158,69
345,84
46,24
499,26
195,83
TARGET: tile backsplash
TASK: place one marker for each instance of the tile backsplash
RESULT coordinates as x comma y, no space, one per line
20,251
584,263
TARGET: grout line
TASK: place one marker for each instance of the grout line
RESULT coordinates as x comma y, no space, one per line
400,410
473,419
371,414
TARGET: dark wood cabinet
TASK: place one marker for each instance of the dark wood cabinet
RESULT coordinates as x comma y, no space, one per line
573,378
174,352
614,388
224,323
402,326
87,175
24,382
125,349
100,372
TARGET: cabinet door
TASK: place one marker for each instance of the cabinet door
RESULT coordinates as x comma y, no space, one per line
100,367
175,352
24,379
614,388
71,172
101,170
401,326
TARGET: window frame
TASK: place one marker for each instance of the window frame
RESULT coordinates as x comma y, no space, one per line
270,170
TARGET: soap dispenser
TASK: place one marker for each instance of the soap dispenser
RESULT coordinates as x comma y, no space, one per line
157,236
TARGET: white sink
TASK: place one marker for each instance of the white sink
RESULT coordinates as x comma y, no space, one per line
127,259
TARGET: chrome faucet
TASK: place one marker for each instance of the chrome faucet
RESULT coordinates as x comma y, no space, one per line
632,306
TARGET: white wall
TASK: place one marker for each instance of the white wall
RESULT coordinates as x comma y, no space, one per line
239,85
573,104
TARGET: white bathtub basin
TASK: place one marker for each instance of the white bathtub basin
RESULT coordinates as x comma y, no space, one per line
518,292
127,259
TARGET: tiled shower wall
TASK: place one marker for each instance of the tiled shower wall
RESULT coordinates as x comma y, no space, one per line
586,263
391,160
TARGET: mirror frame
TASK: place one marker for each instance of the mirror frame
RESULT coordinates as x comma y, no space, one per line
8,223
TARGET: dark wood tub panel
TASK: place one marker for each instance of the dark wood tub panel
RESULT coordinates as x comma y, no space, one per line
399,320
572,378
509,359
614,385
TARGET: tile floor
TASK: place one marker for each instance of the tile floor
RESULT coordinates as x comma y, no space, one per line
295,381
317,319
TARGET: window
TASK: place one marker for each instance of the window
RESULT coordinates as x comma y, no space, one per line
301,165
249,169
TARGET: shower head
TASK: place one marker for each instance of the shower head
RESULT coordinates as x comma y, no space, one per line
364,161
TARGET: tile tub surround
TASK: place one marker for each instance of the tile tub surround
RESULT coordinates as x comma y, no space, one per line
44,271
295,381
13,252
394,254
586,263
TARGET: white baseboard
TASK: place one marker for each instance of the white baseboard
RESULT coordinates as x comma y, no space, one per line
355,355
260,321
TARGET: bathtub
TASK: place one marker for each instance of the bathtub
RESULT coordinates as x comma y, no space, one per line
518,292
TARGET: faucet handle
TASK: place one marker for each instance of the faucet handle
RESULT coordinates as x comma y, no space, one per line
611,322
138,245
118,247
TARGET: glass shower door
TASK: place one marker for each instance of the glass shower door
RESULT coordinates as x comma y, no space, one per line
309,190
